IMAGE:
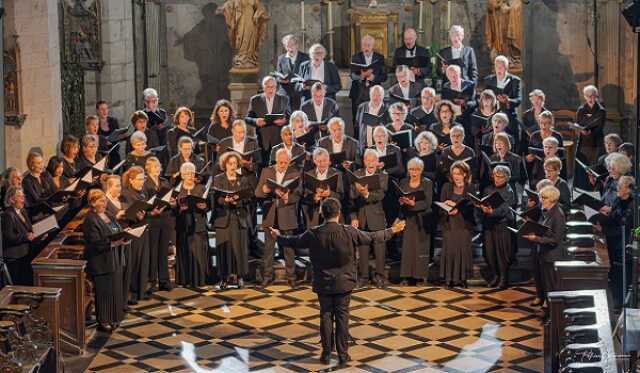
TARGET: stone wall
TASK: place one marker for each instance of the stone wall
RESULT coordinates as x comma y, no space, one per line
35,24
115,82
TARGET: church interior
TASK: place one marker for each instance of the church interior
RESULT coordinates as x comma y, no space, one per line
319,186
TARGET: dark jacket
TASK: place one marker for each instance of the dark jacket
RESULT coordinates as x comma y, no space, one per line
331,79
401,51
359,89
349,147
173,135
369,211
285,67
275,210
311,209
222,210
414,94
332,250
267,135
554,219
14,233
469,66
513,89
100,257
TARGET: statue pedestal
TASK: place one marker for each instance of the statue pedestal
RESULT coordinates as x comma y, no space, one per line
244,84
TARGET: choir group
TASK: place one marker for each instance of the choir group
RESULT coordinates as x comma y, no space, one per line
456,158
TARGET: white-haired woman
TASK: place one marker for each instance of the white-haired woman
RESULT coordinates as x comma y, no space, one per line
530,118
497,238
425,147
593,116
416,238
191,230
543,256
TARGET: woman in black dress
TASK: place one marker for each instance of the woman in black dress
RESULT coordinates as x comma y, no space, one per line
530,119
37,186
456,259
416,236
446,121
161,225
221,118
503,153
89,152
133,182
552,170
457,151
544,254
479,122
191,230
497,238
17,237
70,148
11,177
139,154
232,221
183,122
104,261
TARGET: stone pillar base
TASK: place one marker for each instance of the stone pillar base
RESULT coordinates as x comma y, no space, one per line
244,84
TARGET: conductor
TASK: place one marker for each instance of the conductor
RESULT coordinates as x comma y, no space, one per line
332,251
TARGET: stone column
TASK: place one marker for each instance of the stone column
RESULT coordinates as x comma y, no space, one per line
115,83
35,22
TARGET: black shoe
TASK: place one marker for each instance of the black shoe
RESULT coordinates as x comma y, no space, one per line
223,285
503,284
292,284
493,282
325,359
362,283
166,286
105,328
132,302
343,360
450,285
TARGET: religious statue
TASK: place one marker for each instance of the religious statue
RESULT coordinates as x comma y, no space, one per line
503,30
247,24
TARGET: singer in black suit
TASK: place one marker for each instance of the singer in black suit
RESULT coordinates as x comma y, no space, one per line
375,106
367,213
332,246
313,198
404,90
320,108
280,208
339,142
287,63
410,49
104,261
363,80
317,68
293,148
158,119
17,237
268,102
548,245
465,55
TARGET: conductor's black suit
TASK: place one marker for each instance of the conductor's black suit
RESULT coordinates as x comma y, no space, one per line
332,251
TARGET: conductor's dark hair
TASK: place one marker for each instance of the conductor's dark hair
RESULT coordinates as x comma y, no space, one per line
330,208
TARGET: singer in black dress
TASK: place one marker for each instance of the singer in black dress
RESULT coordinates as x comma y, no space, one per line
191,230
133,183
456,260
37,186
161,225
17,237
232,220
70,148
104,261
416,238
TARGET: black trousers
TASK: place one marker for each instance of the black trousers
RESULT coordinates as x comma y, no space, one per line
334,307
159,238
267,257
538,278
543,271
379,250
20,270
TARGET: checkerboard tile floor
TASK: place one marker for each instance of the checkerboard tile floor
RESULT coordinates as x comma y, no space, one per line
398,329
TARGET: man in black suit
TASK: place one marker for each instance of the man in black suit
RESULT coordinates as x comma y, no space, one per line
312,199
320,108
17,236
410,49
287,63
363,79
158,117
459,54
459,91
425,112
317,68
368,214
332,251
268,102
404,90
338,142
280,206
508,91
